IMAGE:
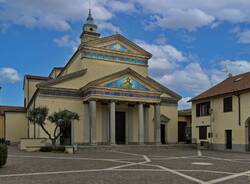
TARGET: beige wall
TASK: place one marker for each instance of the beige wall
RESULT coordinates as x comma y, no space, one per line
55,73
2,126
75,65
56,104
96,70
16,126
186,119
220,121
30,89
171,112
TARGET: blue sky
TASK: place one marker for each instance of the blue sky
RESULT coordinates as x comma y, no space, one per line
195,43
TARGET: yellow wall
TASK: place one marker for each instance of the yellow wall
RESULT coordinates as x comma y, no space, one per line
30,89
96,70
221,121
186,119
1,126
75,65
171,112
16,126
56,104
55,73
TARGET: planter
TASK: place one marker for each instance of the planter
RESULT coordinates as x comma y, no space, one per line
69,149
29,144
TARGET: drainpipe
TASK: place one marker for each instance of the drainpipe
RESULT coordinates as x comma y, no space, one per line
239,108
211,126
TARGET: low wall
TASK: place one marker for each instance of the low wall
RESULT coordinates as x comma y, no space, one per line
27,143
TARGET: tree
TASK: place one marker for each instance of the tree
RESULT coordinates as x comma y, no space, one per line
60,119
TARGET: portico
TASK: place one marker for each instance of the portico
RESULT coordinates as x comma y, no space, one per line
110,123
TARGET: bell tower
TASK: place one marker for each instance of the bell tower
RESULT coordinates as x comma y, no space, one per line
89,29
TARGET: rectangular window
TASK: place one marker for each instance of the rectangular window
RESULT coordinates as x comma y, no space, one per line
202,132
228,104
203,109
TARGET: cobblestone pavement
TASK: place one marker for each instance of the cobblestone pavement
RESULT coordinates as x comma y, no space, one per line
130,165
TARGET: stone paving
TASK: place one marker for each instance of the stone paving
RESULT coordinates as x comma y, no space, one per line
133,165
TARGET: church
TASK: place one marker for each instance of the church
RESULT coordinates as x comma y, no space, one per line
106,83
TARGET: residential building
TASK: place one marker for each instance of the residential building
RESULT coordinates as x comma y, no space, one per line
221,115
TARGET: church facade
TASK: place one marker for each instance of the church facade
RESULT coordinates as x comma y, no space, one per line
106,83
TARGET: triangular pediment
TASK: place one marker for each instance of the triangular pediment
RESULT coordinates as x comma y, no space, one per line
118,46
119,43
126,79
128,82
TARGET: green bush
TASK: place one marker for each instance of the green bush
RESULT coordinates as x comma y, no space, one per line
3,154
52,149
59,149
46,149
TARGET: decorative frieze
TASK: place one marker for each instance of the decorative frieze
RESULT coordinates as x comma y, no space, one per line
104,56
122,94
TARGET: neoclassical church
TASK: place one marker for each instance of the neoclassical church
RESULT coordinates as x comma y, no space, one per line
106,82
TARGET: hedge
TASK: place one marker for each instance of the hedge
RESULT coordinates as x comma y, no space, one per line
3,154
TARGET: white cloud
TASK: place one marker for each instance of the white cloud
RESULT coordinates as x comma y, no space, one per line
244,37
184,104
236,67
109,27
161,39
191,79
67,41
172,68
192,14
53,14
119,6
190,19
4,27
171,14
9,75
165,57
183,73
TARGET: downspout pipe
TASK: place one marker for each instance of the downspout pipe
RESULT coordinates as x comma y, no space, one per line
239,108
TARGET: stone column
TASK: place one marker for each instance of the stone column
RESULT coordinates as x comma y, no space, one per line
141,123
92,106
157,119
86,124
112,123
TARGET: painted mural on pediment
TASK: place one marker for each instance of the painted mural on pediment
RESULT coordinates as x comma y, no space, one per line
117,47
127,82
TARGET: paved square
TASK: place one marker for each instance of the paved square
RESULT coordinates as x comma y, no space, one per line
133,165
